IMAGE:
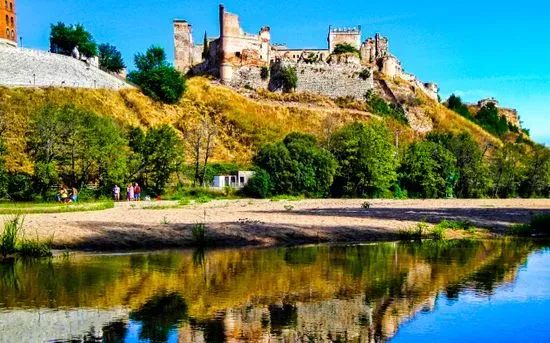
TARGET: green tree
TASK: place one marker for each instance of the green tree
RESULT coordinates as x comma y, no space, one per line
455,103
283,78
110,59
156,156
78,145
507,171
367,160
259,185
206,47
157,79
64,38
490,119
379,106
537,172
428,170
345,48
473,173
297,165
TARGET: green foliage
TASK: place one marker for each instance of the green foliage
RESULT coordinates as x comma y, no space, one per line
490,119
264,73
366,205
378,106
297,165
367,160
428,170
438,232
20,187
345,48
283,78
539,225
536,173
473,173
64,38
507,171
455,224
206,47
76,145
198,232
12,241
110,59
455,103
156,156
259,185
413,233
157,79
365,74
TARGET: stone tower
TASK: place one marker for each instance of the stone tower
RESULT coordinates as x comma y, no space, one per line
8,22
183,43
351,36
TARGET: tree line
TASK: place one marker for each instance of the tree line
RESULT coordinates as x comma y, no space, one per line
360,160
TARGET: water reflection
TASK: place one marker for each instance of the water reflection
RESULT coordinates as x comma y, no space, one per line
331,294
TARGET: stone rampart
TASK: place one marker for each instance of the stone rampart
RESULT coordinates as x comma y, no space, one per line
35,68
335,80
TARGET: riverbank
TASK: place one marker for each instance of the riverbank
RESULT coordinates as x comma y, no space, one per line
268,223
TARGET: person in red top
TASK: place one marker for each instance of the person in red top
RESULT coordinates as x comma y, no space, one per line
137,192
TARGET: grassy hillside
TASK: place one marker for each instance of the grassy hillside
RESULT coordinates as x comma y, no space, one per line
244,121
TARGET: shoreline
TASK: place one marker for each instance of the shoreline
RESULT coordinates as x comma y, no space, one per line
265,223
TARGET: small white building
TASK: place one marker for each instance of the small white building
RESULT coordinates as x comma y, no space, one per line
237,181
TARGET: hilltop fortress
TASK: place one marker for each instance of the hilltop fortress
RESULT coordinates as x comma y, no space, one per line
236,58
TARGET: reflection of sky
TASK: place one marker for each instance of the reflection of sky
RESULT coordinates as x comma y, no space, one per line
132,335
517,312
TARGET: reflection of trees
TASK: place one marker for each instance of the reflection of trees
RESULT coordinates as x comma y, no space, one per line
159,316
115,332
363,291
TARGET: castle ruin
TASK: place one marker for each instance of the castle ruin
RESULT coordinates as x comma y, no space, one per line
236,57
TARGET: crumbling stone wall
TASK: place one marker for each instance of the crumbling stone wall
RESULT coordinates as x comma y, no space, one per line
337,80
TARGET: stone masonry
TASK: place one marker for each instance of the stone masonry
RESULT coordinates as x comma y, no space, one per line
236,58
33,68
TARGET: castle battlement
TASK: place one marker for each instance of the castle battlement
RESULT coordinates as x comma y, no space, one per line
233,54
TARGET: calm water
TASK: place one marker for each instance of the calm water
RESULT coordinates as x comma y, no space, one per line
490,291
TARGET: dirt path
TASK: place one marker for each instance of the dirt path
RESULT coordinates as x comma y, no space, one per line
267,223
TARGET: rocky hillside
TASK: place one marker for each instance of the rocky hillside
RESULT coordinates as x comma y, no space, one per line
244,119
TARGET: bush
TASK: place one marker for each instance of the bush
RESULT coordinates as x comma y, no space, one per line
264,73
283,78
20,187
380,107
539,225
438,232
345,48
157,79
259,185
365,74
199,234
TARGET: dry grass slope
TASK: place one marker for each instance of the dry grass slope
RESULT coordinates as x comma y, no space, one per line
244,122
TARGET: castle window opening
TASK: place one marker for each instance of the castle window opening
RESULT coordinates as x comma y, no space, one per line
11,6
7,20
12,22
12,34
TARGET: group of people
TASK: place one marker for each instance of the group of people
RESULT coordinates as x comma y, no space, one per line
133,192
64,196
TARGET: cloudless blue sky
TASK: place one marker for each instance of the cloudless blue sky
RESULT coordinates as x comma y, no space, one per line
475,49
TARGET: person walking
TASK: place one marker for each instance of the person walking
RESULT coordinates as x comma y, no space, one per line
137,192
116,193
130,192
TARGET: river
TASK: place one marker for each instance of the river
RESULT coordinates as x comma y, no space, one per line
452,291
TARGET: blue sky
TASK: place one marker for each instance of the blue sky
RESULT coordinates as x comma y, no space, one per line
475,49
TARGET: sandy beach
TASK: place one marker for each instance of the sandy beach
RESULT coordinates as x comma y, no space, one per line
268,223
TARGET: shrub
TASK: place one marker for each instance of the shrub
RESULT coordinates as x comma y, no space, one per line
380,107
438,232
157,79
283,78
199,234
540,224
259,185
366,205
345,48
365,74
264,73
10,236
